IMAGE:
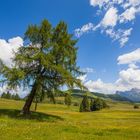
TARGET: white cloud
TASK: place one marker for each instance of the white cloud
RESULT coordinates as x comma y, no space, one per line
134,2
100,86
129,58
113,14
84,29
110,18
121,35
83,78
8,47
130,3
133,66
128,79
88,70
99,3
128,15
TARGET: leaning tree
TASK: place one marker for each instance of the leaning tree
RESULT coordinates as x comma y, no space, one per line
45,64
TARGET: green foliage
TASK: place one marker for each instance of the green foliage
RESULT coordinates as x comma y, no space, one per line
16,97
68,99
47,63
8,95
3,95
91,104
85,106
97,104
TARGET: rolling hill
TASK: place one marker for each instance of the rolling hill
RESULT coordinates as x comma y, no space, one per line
116,97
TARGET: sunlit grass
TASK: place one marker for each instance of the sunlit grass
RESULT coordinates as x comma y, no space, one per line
58,122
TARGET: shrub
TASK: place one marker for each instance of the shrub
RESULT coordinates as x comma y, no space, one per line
84,106
105,105
75,104
136,107
97,104
68,99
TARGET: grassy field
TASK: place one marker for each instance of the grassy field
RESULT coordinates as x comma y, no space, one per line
58,122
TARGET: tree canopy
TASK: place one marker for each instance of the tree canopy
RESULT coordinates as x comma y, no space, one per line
45,64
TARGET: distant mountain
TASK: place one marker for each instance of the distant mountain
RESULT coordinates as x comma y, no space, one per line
133,94
116,97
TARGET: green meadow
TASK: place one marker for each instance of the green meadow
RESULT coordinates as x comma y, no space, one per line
59,122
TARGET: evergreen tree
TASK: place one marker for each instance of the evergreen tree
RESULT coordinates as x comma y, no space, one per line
3,95
97,104
91,104
17,97
85,106
68,99
8,95
47,63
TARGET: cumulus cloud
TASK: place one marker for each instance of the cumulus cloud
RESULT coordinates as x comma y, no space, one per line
115,12
127,78
110,18
7,49
100,86
129,58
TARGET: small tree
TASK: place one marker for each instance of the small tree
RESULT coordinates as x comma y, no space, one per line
17,97
85,106
3,95
68,99
91,104
8,95
136,106
105,105
97,104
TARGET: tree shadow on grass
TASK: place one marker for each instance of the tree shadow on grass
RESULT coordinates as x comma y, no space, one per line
38,116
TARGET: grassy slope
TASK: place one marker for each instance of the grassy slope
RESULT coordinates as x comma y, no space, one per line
120,122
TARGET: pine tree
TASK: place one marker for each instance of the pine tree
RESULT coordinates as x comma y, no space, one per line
17,97
91,104
85,106
44,65
3,95
68,99
8,95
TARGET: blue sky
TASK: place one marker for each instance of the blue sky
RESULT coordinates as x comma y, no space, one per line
101,35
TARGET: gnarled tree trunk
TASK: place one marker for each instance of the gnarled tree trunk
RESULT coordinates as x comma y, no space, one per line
28,103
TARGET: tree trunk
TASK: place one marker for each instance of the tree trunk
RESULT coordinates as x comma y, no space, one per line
36,105
27,105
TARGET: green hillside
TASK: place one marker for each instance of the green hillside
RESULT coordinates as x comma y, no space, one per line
58,122
115,97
